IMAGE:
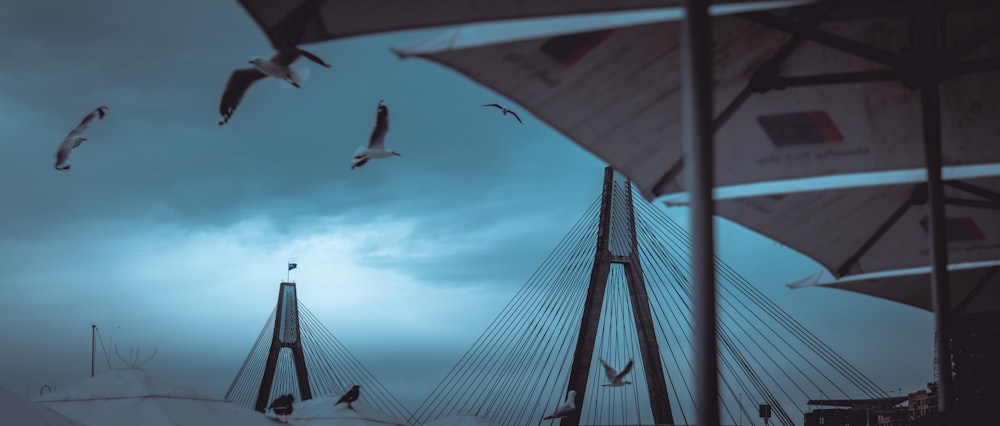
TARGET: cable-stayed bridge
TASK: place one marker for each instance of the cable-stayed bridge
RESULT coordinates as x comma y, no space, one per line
550,336
295,354
617,288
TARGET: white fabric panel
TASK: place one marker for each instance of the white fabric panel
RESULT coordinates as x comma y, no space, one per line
615,92
915,289
619,98
461,420
830,226
322,411
332,19
21,411
135,398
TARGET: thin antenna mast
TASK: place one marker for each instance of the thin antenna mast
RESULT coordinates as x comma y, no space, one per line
93,344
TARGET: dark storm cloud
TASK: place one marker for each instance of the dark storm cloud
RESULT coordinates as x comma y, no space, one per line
161,68
149,229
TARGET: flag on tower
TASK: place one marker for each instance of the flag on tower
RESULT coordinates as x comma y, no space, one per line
292,266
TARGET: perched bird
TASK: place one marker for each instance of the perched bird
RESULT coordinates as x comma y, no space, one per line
73,139
566,409
376,145
278,67
506,111
614,377
350,396
282,405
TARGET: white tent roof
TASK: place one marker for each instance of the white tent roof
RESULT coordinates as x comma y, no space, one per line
307,21
834,227
974,287
322,411
17,410
617,93
135,398
461,420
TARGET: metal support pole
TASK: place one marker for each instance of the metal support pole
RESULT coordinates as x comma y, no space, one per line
930,101
93,344
696,45
936,227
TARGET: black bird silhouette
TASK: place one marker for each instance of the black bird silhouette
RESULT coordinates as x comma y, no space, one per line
282,405
350,396
506,111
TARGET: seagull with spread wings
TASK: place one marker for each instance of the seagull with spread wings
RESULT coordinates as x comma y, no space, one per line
279,67
73,139
506,111
376,144
615,378
566,409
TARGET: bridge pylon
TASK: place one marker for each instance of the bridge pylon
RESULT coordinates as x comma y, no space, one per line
616,244
287,335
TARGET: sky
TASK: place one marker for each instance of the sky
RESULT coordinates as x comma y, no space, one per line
172,233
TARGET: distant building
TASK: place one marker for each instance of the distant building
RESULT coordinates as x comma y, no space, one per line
853,412
922,402
899,417
976,345
836,417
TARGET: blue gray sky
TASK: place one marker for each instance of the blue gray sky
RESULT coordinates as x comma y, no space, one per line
171,232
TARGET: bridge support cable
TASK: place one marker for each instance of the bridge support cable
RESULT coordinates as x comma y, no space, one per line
515,366
737,291
243,389
338,369
304,359
551,336
748,291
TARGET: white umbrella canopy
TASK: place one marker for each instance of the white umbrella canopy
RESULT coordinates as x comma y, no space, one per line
616,92
826,89
20,411
135,398
294,22
322,411
975,288
875,228
461,420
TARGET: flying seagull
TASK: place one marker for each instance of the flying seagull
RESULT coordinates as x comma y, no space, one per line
350,396
614,377
73,139
278,67
566,408
376,145
506,111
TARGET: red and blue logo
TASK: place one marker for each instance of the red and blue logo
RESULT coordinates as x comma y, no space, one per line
800,128
570,48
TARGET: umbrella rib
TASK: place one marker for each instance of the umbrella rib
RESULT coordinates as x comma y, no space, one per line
882,229
826,38
982,65
757,83
283,35
974,190
977,38
977,204
840,78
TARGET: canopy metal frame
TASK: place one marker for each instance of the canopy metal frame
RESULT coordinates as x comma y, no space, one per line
923,66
